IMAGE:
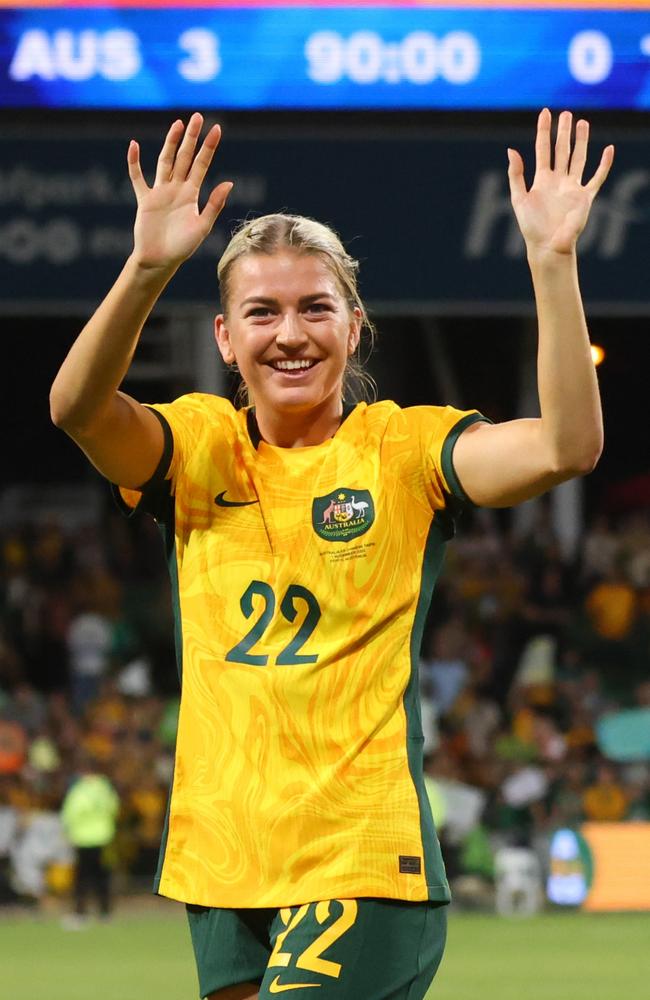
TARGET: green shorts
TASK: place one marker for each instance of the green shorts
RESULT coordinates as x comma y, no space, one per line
348,949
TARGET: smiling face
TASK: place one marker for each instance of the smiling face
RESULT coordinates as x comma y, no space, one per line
291,331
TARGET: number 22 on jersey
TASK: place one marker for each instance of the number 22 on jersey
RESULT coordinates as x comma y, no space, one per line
294,597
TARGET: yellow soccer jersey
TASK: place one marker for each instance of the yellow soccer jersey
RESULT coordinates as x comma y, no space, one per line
301,579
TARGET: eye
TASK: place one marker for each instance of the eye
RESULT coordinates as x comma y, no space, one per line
258,311
319,307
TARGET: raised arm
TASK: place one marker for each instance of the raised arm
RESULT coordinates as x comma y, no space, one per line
504,464
122,438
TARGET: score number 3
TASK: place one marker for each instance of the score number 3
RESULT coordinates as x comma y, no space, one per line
203,60
289,656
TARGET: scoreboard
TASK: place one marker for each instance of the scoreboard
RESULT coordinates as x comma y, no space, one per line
471,54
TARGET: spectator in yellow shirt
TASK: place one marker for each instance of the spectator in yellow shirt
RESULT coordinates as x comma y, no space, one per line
605,801
612,606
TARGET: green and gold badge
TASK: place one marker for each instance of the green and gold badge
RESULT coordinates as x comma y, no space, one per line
343,514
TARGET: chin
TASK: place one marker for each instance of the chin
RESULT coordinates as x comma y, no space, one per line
295,400
312,396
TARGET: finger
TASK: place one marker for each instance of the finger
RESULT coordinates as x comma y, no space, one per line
215,204
135,170
186,149
203,158
516,175
579,157
603,170
563,142
543,141
168,152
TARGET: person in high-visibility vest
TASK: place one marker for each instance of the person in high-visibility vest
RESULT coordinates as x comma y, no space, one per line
89,815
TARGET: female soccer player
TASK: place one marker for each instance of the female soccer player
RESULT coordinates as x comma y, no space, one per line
304,537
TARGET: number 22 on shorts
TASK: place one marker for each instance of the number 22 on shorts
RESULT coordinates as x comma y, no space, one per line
310,959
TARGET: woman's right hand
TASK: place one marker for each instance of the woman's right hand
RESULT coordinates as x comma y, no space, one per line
169,226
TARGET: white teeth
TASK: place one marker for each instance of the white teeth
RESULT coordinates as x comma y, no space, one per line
292,365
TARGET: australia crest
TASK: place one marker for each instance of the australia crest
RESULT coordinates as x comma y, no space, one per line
343,514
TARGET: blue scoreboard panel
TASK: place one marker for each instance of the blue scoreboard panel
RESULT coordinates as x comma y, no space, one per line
266,55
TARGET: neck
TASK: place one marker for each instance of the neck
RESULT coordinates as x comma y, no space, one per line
300,429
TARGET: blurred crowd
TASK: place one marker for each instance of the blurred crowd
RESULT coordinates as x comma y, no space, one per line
87,678
535,681
529,659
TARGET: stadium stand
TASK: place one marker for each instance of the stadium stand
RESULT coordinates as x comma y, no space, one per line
519,667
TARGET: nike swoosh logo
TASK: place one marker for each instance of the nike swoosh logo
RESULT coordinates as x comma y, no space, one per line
277,987
221,501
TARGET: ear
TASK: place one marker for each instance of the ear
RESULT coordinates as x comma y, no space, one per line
354,333
222,337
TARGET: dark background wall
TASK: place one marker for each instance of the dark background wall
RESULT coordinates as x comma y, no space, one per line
388,207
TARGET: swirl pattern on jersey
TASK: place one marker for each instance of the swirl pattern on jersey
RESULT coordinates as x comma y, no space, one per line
298,761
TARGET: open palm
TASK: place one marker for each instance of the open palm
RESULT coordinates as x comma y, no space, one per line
169,226
553,213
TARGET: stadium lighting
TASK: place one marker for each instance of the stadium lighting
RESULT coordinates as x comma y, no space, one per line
597,354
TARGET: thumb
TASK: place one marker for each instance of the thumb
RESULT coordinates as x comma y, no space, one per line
516,175
215,203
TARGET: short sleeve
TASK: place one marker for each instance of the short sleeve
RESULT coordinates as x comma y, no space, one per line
440,451
183,421
437,428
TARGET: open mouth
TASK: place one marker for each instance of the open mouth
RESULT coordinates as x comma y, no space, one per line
294,368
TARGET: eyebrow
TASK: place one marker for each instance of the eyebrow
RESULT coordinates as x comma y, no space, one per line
303,300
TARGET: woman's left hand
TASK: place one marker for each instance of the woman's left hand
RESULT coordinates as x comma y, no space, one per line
553,213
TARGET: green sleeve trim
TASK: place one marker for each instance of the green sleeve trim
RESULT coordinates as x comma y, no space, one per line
168,450
446,462
154,492
122,505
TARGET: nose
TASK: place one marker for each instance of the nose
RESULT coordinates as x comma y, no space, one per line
289,333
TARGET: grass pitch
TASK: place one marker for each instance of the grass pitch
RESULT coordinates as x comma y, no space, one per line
148,955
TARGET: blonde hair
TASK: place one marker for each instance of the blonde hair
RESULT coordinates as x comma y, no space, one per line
272,233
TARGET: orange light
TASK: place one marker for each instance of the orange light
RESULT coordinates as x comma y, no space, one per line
597,354
621,866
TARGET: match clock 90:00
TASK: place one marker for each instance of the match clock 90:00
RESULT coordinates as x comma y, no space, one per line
419,57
